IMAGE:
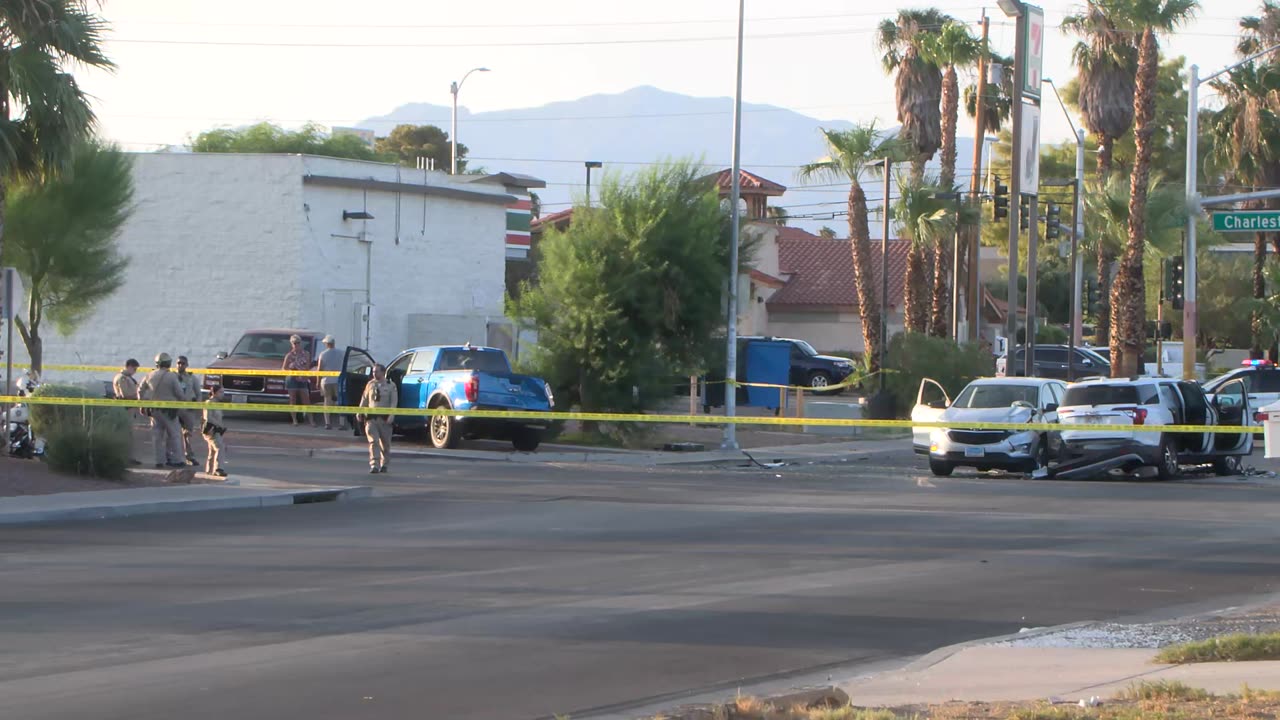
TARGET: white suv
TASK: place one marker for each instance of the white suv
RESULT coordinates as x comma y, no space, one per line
1098,417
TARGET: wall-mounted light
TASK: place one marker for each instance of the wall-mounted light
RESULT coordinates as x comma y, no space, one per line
356,215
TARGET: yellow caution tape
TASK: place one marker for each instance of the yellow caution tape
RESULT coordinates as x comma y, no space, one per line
627,417
196,371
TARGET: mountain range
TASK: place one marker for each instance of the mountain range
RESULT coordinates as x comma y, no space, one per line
642,125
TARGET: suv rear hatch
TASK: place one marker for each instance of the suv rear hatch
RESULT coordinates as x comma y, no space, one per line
1103,411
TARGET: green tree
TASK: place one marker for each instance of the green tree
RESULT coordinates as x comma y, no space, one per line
849,154
1226,318
62,230
953,46
310,139
407,143
923,220
1144,18
630,293
827,232
43,112
918,81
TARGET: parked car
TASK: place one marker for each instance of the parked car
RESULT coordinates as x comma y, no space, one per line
808,367
458,377
1261,382
987,400
1051,362
261,349
1097,418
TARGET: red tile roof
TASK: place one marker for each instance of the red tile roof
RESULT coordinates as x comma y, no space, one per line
559,220
749,183
821,273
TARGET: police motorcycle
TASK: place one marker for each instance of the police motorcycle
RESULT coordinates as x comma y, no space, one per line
17,421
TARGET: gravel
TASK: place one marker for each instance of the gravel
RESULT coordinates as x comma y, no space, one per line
1153,635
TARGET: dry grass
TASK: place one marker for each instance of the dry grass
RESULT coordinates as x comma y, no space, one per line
1142,701
1228,648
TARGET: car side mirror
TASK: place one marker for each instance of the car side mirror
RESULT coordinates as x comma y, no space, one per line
222,355
1051,407
1086,362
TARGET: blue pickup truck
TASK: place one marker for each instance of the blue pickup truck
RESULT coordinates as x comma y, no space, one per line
459,377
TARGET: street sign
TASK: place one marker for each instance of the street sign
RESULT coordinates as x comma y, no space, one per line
1029,150
1246,221
1033,68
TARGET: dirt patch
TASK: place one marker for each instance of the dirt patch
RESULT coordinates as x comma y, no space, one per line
33,477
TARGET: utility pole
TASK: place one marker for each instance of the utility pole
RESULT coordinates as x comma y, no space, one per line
884,271
730,441
973,306
1015,179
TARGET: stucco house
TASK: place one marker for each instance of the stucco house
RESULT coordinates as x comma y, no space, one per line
381,256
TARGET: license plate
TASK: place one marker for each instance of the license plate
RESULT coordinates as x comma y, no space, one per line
1091,420
975,452
237,398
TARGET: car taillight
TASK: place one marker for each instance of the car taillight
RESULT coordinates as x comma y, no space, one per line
1138,415
473,388
1260,416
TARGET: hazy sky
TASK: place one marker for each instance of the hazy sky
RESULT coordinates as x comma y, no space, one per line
185,66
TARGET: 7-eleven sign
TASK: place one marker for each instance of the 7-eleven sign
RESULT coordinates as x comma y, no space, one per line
1033,67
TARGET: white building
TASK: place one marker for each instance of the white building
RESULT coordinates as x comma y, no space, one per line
382,257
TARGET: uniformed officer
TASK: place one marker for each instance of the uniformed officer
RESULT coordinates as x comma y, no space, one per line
125,387
161,384
379,393
213,430
188,419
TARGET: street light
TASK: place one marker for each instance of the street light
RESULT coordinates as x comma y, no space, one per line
887,164
1194,204
1012,8
1077,230
591,164
730,441
453,129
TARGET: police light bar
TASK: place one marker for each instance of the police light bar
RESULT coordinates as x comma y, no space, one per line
1257,362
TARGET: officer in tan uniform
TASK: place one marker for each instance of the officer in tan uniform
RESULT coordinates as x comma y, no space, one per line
161,384
379,393
125,387
189,420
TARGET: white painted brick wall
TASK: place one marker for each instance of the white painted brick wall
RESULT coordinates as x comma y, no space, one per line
222,243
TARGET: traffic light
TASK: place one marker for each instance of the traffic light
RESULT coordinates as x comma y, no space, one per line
1001,201
1177,270
1024,211
1053,222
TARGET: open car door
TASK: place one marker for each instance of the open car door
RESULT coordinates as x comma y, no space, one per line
357,370
931,400
1232,402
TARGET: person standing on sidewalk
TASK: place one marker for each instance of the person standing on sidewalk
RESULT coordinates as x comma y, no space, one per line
188,419
162,385
330,360
379,393
124,386
298,359
213,430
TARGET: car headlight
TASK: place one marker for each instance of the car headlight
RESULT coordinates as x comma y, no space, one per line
551,398
1022,441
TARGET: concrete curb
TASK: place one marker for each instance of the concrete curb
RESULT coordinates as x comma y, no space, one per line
263,497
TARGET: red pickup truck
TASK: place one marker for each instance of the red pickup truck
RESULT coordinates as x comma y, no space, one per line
262,349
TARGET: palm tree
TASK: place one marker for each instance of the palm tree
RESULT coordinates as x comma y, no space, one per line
918,85
1128,293
43,112
953,46
923,220
1106,61
850,153
997,105
1245,133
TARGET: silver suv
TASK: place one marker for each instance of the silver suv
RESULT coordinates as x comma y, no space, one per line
1099,418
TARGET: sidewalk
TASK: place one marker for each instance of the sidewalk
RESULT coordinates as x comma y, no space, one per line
241,492
994,673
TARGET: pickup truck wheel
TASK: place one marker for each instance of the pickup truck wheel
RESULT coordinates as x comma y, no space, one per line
1228,465
526,439
1168,461
941,468
444,429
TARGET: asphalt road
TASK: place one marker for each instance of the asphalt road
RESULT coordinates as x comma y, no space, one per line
502,590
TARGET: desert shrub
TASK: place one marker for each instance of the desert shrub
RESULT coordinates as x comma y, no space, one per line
912,357
79,439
